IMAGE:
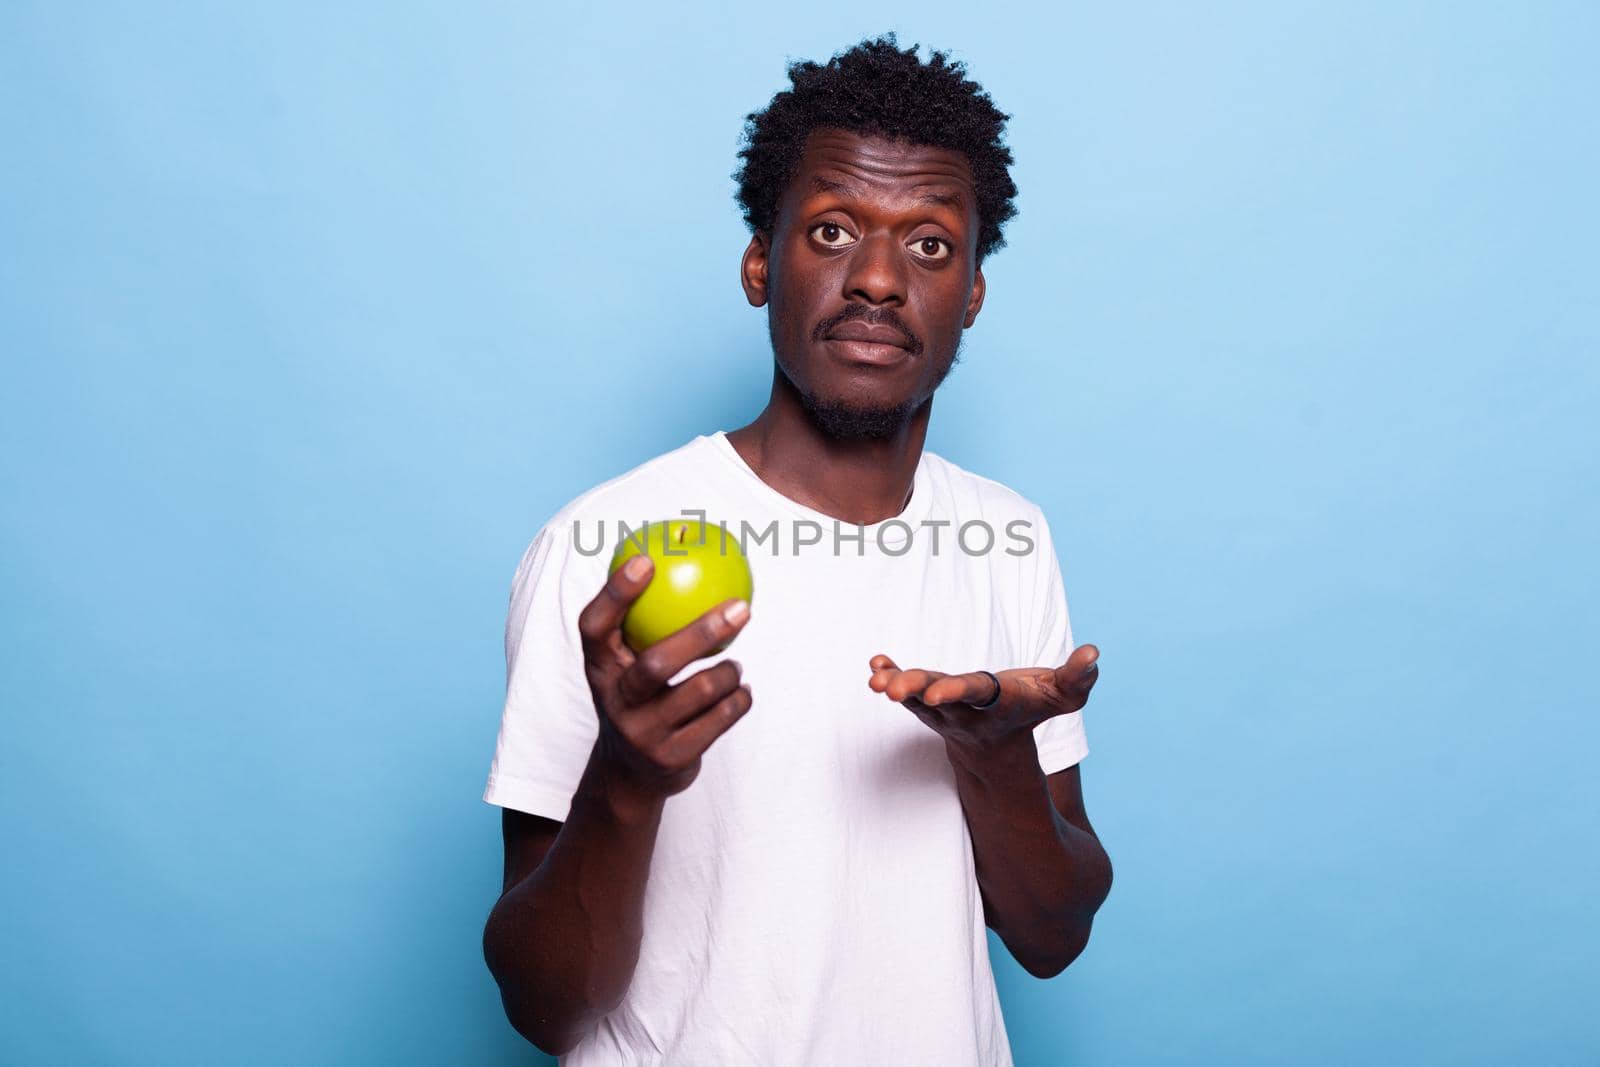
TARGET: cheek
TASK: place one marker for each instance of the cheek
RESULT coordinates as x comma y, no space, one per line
944,303
793,296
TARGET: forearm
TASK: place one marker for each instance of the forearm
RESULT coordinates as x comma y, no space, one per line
1042,878
563,942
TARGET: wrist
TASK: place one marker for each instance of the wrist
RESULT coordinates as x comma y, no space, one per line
996,759
610,790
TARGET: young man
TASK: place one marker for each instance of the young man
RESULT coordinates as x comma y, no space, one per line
790,856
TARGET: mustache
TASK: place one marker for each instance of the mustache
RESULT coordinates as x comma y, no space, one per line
862,313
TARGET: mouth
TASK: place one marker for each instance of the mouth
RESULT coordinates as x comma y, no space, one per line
870,353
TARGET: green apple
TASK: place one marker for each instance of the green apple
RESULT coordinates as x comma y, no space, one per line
698,565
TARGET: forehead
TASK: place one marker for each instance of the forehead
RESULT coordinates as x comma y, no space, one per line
840,162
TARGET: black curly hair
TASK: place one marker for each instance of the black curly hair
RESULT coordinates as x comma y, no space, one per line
877,89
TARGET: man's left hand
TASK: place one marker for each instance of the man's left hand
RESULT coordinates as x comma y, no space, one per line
1028,696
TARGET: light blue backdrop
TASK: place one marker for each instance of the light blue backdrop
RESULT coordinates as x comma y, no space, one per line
312,313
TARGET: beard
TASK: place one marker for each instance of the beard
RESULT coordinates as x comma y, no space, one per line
843,421
847,420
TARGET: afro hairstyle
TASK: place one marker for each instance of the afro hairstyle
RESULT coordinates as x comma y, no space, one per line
875,89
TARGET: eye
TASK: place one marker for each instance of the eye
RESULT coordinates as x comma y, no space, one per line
933,247
828,234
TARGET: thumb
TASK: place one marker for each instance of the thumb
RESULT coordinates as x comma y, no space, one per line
1080,670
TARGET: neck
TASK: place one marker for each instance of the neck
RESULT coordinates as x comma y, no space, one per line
863,480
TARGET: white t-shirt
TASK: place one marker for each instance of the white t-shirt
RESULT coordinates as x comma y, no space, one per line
811,899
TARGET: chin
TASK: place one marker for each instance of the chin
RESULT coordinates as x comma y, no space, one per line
845,420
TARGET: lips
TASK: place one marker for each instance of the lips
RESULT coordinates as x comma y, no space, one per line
877,335
870,353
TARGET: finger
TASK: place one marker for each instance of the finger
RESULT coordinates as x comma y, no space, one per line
973,687
881,676
904,685
694,695
883,668
600,622
1081,670
695,736
650,671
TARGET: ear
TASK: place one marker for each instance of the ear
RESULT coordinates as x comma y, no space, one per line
753,269
974,302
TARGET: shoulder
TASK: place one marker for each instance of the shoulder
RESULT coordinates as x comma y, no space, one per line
652,484
1018,533
977,496
658,488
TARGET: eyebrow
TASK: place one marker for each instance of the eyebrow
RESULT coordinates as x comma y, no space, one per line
820,184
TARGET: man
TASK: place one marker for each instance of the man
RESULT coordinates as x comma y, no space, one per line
789,856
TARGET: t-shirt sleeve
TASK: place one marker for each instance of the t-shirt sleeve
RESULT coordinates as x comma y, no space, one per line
1060,740
549,724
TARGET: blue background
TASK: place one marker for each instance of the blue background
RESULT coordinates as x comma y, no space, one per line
312,313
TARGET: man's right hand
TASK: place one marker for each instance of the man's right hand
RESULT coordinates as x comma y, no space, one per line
563,939
651,735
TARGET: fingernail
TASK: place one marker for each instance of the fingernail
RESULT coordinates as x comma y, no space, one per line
736,612
1093,666
636,567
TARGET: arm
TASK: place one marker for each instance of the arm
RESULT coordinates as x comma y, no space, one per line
1040,868
563,939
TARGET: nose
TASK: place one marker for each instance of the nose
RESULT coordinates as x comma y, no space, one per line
876,274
